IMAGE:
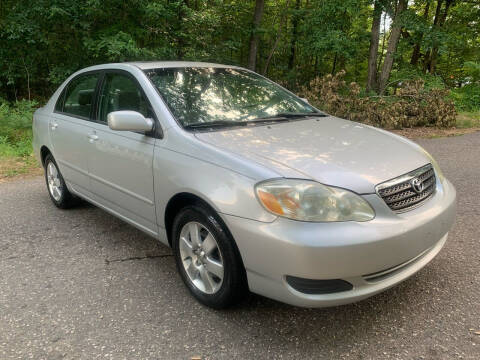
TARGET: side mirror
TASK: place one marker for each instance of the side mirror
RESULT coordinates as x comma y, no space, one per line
305,99
127,120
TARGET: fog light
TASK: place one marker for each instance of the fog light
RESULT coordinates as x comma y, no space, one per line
310,286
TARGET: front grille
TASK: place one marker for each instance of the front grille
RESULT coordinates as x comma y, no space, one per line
408,191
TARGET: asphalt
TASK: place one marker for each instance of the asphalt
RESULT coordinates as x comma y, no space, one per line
82,284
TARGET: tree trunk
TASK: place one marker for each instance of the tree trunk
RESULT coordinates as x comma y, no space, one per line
181,38
28,78
426,61
384,37
373,53
257,19
433,57
334,64
392,46
293,42
283,23
416,49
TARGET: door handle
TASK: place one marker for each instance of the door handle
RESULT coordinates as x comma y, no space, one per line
92,138
53,125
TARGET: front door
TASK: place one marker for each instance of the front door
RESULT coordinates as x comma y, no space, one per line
121,162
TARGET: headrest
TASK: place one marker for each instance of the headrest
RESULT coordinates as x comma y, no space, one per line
128,100
85,97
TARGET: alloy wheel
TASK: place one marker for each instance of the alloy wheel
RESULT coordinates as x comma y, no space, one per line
54,183
201,257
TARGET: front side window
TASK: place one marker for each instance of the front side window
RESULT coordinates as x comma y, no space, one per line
79,95
121,92
204,95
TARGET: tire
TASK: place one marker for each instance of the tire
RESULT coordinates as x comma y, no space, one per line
58,191
218,292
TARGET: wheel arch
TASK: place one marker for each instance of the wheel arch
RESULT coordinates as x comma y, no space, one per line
44,151
181,200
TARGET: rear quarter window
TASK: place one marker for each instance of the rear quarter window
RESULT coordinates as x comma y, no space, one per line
79,96
59,104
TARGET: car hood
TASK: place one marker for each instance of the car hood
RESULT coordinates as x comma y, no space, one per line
330,150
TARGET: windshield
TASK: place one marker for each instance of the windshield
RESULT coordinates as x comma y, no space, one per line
211,95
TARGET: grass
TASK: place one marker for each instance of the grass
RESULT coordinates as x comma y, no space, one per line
468,120
12,166
16,157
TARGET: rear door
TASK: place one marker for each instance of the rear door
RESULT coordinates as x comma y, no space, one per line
121,162
69,127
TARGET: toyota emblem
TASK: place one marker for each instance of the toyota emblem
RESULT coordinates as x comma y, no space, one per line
417,185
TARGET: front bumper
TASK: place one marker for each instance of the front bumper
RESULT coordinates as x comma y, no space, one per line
391,246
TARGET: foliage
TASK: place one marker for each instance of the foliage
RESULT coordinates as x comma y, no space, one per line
467,98
16,128
41,42
408,73
472,71
413,105
44,41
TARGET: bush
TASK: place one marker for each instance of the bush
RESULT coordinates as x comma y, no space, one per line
467,98
16,128
411,106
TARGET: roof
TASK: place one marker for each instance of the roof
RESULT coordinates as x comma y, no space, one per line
144,65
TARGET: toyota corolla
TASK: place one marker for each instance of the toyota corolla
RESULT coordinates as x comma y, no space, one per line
252,187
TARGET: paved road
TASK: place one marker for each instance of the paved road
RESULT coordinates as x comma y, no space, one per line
82,284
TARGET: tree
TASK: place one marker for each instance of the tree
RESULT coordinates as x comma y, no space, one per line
392,46
293,41
426,63
373,52
281,26
416,50
432,60
257,19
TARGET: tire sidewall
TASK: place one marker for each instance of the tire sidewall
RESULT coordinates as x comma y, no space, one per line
62,202
233,268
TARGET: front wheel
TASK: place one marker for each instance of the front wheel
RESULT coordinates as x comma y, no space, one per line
207,258
57,189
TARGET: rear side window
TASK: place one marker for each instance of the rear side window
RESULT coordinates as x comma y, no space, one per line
79,96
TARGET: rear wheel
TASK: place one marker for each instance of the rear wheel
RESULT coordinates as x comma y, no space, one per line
207,258
56,187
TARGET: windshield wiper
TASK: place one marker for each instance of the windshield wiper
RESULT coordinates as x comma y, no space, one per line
274,118
287,115
215,124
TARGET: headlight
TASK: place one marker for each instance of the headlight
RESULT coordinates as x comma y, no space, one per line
311,201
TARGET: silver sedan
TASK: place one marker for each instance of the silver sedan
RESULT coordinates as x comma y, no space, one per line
252,187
